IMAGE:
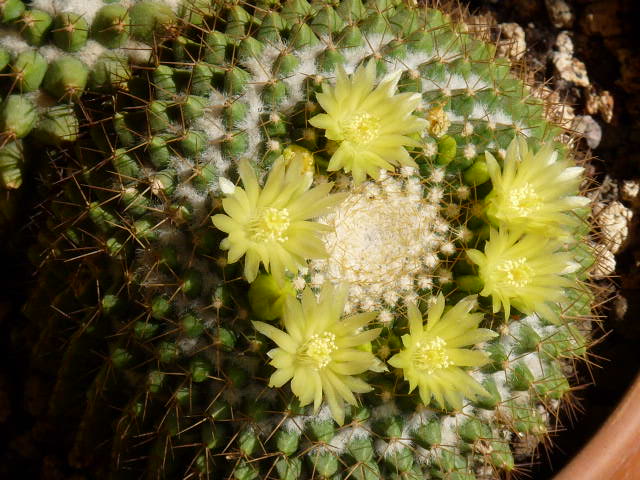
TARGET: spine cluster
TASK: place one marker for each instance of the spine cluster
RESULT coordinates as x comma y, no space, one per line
293,240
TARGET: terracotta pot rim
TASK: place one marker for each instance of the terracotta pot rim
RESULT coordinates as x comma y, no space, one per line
614,452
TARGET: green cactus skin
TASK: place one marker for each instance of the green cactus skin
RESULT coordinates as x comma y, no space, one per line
111,25
17,116
70,31
156,323
11,165
36,25
97,59
10,10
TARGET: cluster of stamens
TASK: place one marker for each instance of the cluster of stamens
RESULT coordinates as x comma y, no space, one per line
431,356
271,224
318,349
361,128
517,273
524,200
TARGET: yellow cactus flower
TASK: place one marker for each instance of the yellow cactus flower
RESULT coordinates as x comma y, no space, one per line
371,125
433,357
319,351
533,193
271,225
524,271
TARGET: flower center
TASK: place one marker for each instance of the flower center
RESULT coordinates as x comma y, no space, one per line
517,273
318,349
524,200
271,224
431,356
361,128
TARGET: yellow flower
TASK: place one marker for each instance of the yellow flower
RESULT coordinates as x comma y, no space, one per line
533,193
524,271
319,351
433,355
270,225
370,125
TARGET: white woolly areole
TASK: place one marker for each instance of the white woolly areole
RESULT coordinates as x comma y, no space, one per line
382,238
392,447
380,447
295,424
324,414
90,53
387,409
345,435
172,4
137,52
211,120
307,68
44,5
395,445
189,345
419,418
424,456
13,42
373,45
534,363
50,52
449,429
85,8
251,123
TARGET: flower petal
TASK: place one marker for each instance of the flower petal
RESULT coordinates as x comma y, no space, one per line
282,339
280,377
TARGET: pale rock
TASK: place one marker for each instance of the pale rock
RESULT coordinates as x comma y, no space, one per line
589,129
512,41
569,68
613,220
605,263
600,102
560,13
630,190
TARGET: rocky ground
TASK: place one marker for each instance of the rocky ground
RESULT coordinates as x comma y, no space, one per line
586,53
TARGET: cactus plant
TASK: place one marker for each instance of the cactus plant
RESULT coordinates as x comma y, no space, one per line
286,248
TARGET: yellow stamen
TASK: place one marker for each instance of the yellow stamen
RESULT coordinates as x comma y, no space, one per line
361,128
318,349
270,225
524,200
517,273
431,356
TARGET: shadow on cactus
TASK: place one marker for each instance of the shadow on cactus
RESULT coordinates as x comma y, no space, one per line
305,241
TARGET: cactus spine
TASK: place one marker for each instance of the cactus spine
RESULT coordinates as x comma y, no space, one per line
175,374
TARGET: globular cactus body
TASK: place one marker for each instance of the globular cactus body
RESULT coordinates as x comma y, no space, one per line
175,375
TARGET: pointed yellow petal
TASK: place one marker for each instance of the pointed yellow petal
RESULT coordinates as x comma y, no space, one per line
249,181
282,339
280,377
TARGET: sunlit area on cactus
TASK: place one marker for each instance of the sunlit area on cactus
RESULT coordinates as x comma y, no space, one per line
534,192
524,271
319,353
434,356
371,125
270,225
273,239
